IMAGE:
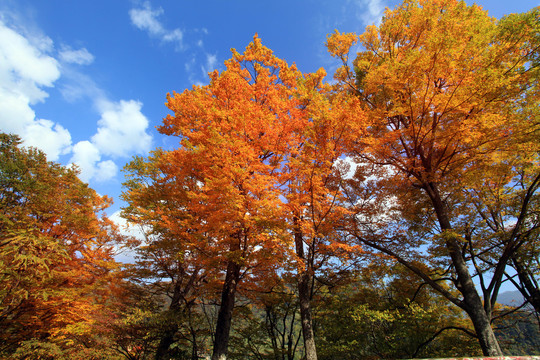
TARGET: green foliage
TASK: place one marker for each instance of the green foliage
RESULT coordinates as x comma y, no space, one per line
390,316
518,333
269,326
48,350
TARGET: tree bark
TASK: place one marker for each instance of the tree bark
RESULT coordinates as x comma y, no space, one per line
223,326
473,304
194,347
167,337
304,294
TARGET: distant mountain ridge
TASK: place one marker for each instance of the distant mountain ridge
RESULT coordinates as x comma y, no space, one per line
510,298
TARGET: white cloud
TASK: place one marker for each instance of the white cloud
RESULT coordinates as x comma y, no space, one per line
370,11
79,57
52,138
146,19
85,156
121,132
23,64
88,158
15,111
175,35
122,129
25,70
106,170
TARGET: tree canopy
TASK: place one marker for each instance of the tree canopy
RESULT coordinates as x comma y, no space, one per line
56,255
377,215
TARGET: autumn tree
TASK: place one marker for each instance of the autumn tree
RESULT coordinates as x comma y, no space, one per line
223,172
447,90
166,268
255,179
504,220
312,185
525,278
56,257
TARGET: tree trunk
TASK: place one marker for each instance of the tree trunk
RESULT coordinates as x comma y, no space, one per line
223,326
304,294
167,337
270,321
194,347
473,304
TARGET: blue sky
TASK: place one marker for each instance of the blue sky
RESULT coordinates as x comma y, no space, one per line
86,81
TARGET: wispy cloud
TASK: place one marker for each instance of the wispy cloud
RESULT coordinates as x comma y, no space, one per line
77,86
199,63
211,61
370,11
197,71
80,57
146,19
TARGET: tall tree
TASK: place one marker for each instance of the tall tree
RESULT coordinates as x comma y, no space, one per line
444,86
314,210
258,178
56,254
229,151
165,265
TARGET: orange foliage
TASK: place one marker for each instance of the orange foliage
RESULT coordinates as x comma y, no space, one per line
56,251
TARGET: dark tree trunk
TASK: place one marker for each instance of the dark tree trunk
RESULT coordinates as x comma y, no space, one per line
473,304
271,330
223,326
304,295
180,291
167,337
194,347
